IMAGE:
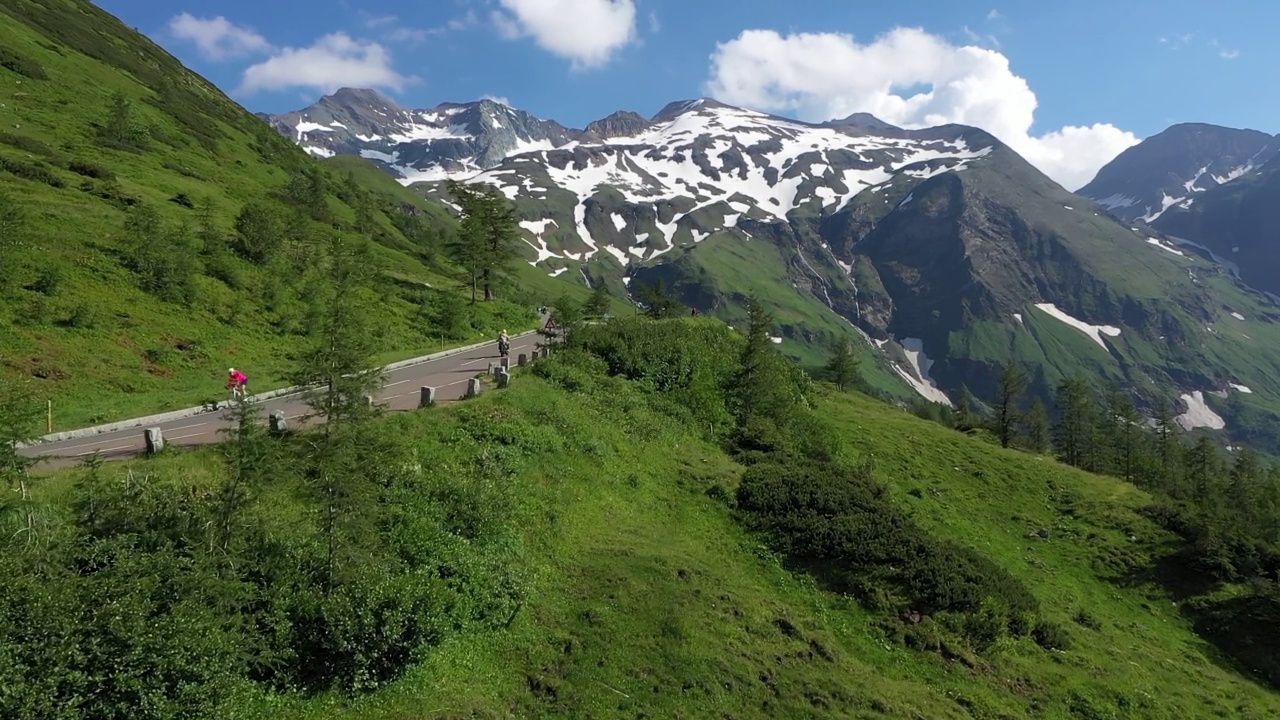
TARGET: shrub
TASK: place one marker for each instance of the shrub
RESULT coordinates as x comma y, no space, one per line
31,145
1051,636
21,64
34,171
92,170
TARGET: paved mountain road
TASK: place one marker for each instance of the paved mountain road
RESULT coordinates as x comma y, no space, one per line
401,391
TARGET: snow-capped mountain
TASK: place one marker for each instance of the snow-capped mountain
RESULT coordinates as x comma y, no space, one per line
700,167
696,167
1172,168
942,246
449,140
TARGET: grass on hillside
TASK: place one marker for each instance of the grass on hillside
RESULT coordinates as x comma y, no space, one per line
730,268
648,599
73,320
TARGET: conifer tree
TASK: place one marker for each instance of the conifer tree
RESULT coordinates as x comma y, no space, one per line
487,236
1008,402
338,366
1074,430
842,367
597,305
964,409
1039,432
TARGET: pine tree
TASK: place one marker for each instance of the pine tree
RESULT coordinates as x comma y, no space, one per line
597,305
1008,402
1074,429
1039,432
1245,501
658,303
1122,435
259,232
338,366
487,235
567,317
964,409
339,358
842,367
248,463
119,129
1203,464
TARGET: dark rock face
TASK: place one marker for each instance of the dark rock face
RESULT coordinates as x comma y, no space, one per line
1175,166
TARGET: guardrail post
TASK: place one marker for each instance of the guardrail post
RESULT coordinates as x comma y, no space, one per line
473,387
279,425
522,360
155,440
428,397
504,378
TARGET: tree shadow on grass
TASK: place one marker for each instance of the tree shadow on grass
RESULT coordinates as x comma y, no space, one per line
1241,633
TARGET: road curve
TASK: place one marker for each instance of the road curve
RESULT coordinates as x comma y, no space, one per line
401,391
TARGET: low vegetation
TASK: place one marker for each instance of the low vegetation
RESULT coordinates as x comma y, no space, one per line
665,517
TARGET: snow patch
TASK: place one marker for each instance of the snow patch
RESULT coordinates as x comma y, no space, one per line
1018,317
775,339
1094,331
618,222
1241,388
377,155
1164,247
1199,414
306,126
1111,202
1237,316
913,348
558,271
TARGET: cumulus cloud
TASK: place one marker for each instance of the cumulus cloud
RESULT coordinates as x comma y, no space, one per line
910,78
500,99
587,32
334,61
217,38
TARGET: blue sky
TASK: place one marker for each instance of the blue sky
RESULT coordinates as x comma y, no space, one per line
1068,85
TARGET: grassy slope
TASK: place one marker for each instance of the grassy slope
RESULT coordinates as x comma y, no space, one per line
140,354
731,267
648,598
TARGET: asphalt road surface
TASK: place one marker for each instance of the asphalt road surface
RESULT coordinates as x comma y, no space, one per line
401,391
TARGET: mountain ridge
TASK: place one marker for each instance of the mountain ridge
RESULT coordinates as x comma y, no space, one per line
943,247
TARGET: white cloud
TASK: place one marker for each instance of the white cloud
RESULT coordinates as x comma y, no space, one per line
1229,54
500,99
654,24
334,61
587,32
217,38
819,76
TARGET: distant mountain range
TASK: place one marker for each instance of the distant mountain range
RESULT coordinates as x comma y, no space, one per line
943,247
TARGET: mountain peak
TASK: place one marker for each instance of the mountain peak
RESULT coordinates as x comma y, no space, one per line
623,123
367,97
862,120
674,109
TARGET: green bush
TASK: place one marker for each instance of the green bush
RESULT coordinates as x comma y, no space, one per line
34,171
1051,636
21,64
92,170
